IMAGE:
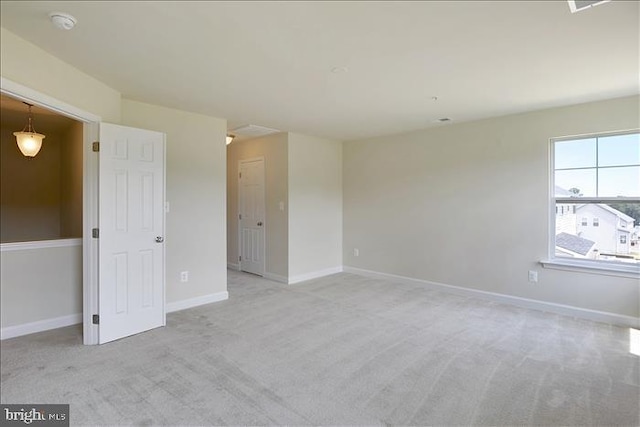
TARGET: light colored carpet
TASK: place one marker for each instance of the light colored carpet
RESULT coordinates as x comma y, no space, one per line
341,350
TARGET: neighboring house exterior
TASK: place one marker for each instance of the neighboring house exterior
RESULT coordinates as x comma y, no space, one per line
610,231
609,228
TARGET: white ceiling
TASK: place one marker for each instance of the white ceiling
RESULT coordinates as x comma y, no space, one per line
270,63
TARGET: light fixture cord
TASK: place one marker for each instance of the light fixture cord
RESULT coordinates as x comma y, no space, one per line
29,126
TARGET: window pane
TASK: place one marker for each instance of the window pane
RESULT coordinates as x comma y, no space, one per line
613,182
598,231
579,153
581,182
619,150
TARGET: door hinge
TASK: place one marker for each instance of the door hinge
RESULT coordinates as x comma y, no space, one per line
95,146
240,258
95,233
240,216
240,175
95,319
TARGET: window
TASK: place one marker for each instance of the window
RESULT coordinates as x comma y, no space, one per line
598,176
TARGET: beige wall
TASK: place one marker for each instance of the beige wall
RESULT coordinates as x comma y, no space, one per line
71,170
30,66
467,205
273,148
196,191
315,205
41,197
40,284
29,190
196,235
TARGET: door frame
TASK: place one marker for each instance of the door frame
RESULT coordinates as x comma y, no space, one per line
264,205
91,123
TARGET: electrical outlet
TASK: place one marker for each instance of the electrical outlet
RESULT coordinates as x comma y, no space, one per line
356,252
184,276
533,276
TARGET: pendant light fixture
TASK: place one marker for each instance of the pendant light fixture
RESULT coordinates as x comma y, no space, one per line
230,138
29,141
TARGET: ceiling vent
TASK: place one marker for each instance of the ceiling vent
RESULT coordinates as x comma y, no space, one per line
253,131
579,5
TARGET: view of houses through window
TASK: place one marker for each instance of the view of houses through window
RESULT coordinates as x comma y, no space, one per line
597,197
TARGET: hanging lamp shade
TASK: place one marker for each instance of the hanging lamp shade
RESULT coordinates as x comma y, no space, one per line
230,138
29,141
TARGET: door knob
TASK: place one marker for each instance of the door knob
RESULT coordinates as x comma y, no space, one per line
260,224
159,239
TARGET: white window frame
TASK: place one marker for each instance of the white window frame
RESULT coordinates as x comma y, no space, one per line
605,267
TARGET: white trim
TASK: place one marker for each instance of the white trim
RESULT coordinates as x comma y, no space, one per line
264,211
40,326
90,254
315,275
606,268
276,278
195,302
89,194
631,271
234,267
39,244
34,97
567,310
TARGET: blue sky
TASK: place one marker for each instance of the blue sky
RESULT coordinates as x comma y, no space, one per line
617,158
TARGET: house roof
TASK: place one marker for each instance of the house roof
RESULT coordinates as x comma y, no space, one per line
616,212
608,209
574,243
344,70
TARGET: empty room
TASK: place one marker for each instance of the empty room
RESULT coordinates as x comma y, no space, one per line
320,213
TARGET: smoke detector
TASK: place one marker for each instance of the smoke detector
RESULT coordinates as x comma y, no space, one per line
63,21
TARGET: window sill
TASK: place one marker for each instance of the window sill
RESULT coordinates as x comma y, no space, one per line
594,267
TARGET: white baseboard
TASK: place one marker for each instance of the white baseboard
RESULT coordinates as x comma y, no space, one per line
276,278
315,275
39,326
234,267
195,302
567,310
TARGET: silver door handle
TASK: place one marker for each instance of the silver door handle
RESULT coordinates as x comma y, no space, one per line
260,224
159,239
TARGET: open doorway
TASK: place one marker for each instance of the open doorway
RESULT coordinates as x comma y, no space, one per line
41,211
143,152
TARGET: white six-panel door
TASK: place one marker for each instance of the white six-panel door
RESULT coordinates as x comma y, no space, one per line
131,231
252,216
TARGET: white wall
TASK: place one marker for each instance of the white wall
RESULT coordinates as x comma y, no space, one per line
315,206
273,148
27,64
40,284
51,287
196,237
468,205
196,190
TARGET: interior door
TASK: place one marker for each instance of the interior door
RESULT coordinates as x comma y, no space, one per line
251,216
131,231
